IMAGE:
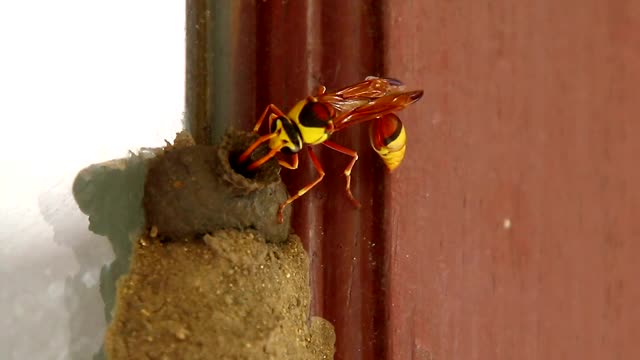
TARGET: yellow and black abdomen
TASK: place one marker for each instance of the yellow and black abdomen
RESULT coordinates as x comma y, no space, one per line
313,120
389,139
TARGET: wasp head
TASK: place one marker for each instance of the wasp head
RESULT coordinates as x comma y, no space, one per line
287,137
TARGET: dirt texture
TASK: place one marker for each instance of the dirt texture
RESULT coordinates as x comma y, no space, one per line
231,296
192,190
215,276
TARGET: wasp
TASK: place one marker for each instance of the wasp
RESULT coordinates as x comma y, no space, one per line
313,120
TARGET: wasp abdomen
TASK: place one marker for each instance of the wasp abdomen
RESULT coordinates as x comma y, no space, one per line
389,139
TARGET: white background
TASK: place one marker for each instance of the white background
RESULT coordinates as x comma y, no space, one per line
81,82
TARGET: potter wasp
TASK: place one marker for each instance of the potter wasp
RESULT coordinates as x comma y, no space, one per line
312,121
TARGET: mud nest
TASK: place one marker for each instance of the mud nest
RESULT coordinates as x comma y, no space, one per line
191,190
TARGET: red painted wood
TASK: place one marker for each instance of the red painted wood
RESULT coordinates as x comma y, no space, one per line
261,52
530,114
335,43
511,230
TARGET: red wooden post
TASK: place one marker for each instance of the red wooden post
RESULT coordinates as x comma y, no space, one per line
514,221
510,231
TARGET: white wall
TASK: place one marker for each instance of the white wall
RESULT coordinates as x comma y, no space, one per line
81,82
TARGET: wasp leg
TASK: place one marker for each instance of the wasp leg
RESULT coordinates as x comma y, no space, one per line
271,109
245,155
302,191
294,162
347,170
263,159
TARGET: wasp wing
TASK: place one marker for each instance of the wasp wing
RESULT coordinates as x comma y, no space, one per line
376,108
362,93
371,87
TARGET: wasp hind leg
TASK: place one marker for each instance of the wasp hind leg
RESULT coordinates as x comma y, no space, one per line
347,170
304,190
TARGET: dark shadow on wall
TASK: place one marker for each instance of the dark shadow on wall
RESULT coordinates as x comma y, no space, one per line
111,195
80,297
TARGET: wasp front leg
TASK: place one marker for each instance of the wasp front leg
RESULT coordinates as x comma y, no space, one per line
245,155
304,190
271,109
292,165
347,170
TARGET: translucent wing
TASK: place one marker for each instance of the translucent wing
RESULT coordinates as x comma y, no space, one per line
362,93
371,87
376,108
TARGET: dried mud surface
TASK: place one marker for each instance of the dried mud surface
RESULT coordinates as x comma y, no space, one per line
191,190
215,276
231,296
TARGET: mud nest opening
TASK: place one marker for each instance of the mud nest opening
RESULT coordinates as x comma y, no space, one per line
235,144
192,190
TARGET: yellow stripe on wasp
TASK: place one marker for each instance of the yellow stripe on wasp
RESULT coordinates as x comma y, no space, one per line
312,121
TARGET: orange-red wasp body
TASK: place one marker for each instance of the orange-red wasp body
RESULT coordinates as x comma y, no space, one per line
312,121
